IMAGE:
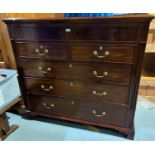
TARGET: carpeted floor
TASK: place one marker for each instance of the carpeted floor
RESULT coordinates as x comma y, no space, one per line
43,129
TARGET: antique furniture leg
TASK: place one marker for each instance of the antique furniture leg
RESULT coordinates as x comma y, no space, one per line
5,129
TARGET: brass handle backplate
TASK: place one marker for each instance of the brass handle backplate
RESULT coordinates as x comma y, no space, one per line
99,94
46,89
48,106
100,76
99,115
106,53
44,71
41,51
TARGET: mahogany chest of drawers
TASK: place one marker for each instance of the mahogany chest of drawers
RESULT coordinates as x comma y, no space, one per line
84,70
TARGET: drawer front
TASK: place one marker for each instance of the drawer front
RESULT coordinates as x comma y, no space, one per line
102,72
77,32
56,106
78,90
52,51
45,68
75,109
109,72
101,53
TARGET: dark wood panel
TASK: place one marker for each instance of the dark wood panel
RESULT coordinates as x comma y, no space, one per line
76,32
102,52
53,51
78,90
99,72
99,113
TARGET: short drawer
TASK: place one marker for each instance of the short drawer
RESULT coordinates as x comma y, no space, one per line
102,72
52,51
81,110
76,32
98,72
101,53
78,90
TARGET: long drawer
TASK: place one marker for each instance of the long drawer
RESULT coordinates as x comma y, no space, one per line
52,51
108,72
93,92
76,32
75,109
